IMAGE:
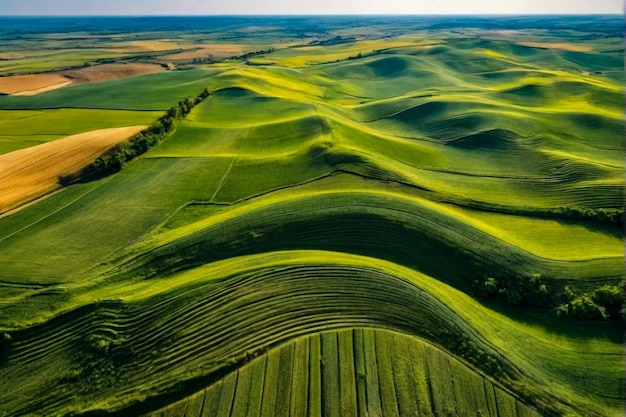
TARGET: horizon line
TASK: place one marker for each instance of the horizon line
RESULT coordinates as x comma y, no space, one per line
316,15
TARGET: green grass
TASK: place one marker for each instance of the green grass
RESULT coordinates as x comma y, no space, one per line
303,56
463,402
300,381
134,93
272,372
49,60
315,376
97,212
331,402
354,218
546,237
24,128
224,109
275,287
305,242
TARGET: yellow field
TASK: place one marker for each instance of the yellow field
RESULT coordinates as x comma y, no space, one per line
147,46
109,72
29,85
319,54
29,173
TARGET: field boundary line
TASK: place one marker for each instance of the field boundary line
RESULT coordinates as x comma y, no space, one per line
52,108
230,167
55,211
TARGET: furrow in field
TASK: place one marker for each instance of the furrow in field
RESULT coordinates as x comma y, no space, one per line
297,282
414,231
408,354
201,340
209,341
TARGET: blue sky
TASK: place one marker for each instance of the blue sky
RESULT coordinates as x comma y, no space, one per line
207,7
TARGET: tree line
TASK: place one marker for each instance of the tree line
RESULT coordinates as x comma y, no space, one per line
602,215
602,303
119,155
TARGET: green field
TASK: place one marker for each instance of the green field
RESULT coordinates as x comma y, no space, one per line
309,239
383,366
25,128
126,94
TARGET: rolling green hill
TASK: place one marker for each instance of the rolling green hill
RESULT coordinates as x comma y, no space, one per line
308,240
389,374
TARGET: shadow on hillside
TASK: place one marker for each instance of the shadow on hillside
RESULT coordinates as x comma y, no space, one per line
611,330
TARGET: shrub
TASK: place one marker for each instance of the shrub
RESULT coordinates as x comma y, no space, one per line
526,290
491,287
536,291
602,303
486,289
584,308
610,297
99,343
603,215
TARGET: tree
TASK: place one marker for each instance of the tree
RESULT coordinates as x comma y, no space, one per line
584,308
602,303
525,290
486,289
173,112
609,297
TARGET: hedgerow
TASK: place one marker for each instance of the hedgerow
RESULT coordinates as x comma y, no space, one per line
118,156
605,302
526,290
602,215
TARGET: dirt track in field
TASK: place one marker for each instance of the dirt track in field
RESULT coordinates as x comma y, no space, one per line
29,173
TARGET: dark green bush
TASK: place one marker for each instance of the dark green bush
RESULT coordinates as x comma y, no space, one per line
603,215
610,297
487,289
527,290
582,308
600,304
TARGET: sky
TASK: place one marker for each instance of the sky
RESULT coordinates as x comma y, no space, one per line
255,7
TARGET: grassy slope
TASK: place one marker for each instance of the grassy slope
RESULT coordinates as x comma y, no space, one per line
356,157
370,353
203,322
350,217
299,148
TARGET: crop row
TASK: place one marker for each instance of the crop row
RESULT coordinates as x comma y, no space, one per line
382,225
352,372
115,355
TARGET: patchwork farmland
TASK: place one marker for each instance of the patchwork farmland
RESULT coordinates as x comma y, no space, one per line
400,217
